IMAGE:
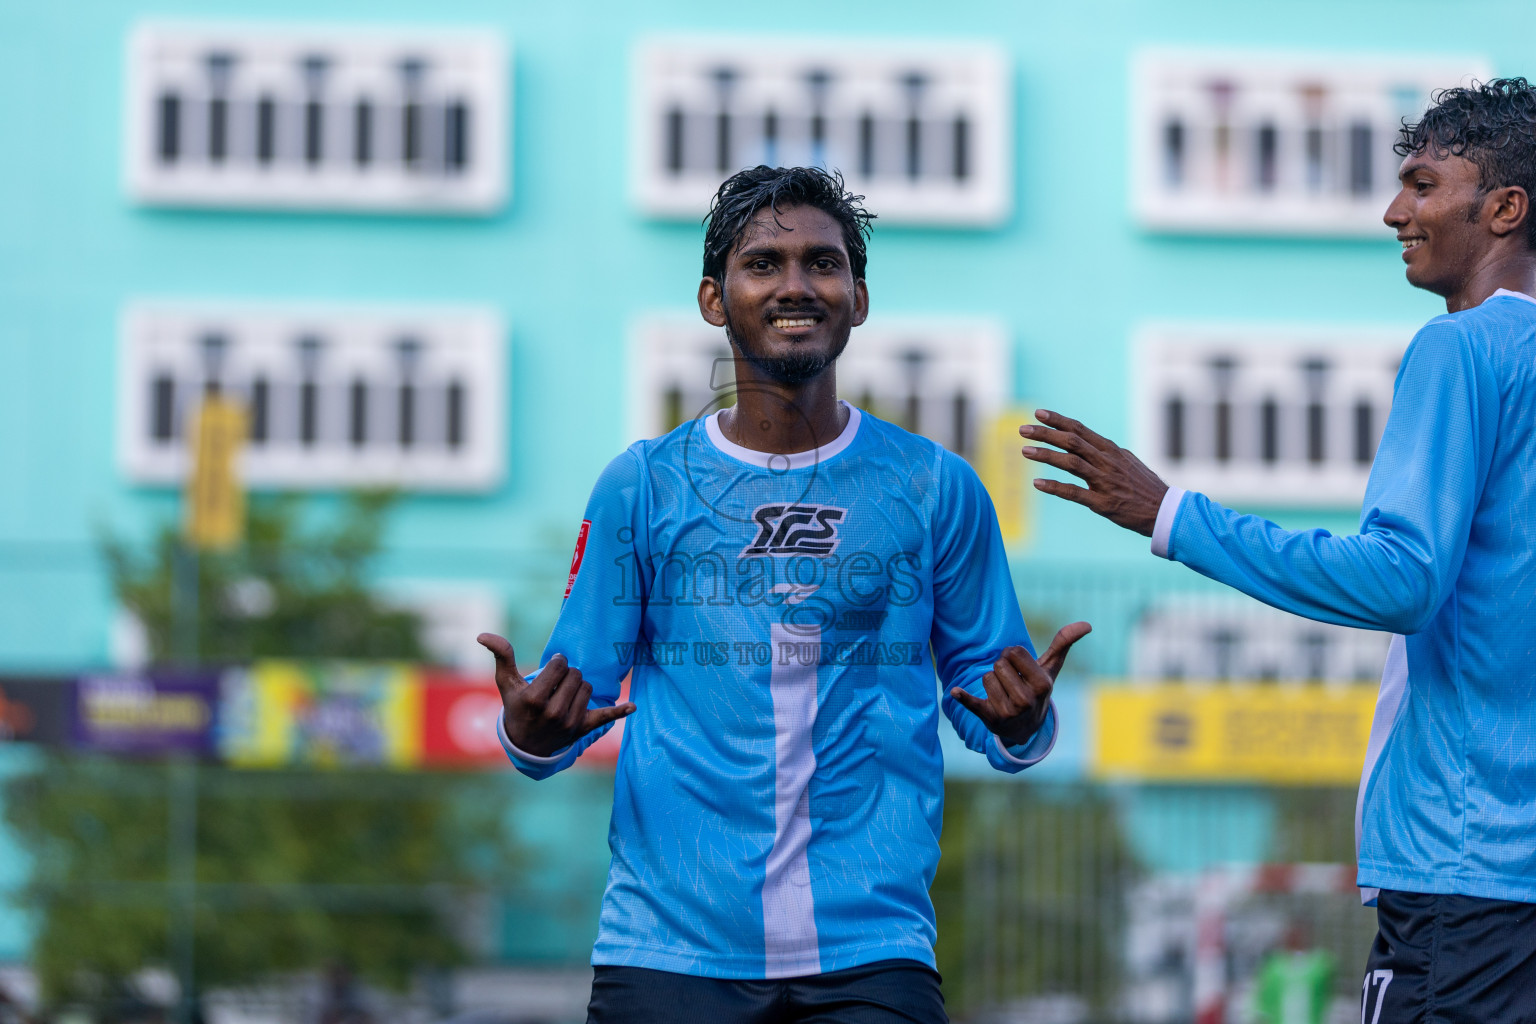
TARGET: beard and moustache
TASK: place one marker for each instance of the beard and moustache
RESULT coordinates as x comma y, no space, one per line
789,370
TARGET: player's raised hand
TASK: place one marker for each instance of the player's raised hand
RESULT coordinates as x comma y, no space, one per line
1019,687
550,713
1120,486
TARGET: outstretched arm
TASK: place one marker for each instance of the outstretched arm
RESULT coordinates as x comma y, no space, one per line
1425,486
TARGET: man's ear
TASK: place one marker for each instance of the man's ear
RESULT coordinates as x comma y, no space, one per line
712,302
860,302
1511,207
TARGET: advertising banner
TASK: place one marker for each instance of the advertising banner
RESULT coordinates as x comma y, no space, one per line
35,710
1299,735
459,722
459,725
147,714
328,714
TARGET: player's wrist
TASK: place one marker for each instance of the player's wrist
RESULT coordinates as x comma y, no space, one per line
1146,520
529,741
1019,732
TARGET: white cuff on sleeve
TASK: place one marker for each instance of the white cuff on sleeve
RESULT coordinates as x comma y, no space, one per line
1051,721
1162,530
512,748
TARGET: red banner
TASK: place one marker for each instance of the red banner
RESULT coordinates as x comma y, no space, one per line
459,725
458,715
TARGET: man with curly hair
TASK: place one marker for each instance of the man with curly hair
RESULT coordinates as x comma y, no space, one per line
781,578
1445,559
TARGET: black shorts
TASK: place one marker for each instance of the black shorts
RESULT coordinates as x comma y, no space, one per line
1449,959
884,992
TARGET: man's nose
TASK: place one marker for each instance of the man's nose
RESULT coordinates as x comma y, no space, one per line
795,284
1397,212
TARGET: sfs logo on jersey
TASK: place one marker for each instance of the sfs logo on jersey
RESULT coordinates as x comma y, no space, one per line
795,530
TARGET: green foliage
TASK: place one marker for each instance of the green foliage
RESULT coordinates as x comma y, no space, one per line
286,592
293,870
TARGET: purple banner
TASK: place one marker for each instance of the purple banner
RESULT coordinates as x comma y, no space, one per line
35,710
152,713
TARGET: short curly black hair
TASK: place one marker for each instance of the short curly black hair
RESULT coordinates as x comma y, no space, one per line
1492,124
744,193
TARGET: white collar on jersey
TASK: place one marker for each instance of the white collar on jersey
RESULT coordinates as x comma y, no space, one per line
1513,295
777,462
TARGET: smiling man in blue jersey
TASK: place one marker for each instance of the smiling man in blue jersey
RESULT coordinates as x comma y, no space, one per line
775,576
1445,559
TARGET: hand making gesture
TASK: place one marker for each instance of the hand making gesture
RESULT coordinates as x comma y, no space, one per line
1120,486
550,713
1019,687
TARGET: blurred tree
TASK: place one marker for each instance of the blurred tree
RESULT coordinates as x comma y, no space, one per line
295,870
381,871
280,594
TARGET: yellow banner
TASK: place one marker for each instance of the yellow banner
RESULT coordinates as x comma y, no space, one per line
1006,474
215,500
1303,735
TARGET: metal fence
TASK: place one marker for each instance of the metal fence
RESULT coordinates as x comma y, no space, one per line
1077,903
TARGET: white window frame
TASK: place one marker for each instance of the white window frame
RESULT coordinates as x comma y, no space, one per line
1298,94
1270,361
460,89
969,353
384,347
1198,634
973,81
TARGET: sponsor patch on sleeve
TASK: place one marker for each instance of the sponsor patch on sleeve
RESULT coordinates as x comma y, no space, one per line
581,550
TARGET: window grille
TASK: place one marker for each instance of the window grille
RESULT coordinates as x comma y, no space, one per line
1204,639
944,379
924,131
413,398
337,119
1260,143
1264,416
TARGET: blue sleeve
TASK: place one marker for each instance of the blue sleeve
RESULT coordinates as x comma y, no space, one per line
1424,488
599,620
975,611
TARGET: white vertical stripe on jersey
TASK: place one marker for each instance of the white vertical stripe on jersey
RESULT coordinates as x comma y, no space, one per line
1394,687
789,913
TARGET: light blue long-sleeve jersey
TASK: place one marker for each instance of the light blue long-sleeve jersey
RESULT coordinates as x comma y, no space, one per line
1446,559
779,788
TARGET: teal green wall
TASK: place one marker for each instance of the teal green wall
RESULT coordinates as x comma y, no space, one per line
569,262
